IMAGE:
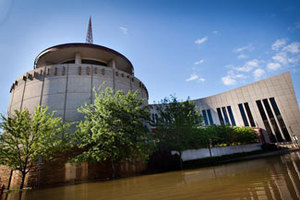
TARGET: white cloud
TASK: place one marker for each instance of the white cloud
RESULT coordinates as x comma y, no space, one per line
192,77
199,62
248,66
124,30
215,32
240,76
273,66
258,73
294,60
228,80
242,56
292,48
231,78
278,44
281,57
195,77
249,47
201,40
201,79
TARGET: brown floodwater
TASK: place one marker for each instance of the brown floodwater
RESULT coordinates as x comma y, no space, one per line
276,177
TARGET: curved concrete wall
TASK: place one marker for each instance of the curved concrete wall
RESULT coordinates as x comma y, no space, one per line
65,87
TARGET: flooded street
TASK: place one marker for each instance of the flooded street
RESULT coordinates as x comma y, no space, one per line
267,178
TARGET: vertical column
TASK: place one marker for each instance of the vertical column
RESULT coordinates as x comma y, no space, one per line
66,92
77,58
42,89
112,64
11,99
25,81
130,82
92,75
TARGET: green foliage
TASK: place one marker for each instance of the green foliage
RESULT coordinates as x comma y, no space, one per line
114,128
221,136
27,137
175,123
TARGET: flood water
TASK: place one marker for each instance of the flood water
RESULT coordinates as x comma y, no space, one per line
275,177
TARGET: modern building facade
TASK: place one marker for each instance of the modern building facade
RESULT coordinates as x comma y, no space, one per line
269,105
64,76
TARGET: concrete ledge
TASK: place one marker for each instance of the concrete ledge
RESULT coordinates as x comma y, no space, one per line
195,154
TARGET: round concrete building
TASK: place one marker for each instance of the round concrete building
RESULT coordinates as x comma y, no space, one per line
64,76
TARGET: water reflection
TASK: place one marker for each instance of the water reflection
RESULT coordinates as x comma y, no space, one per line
269,178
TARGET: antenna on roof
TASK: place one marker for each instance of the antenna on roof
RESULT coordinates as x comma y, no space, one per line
89,35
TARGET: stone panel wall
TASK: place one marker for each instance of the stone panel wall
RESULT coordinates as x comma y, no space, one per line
66,87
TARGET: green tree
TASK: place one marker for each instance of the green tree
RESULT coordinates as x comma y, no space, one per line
27,137
114,129
175,124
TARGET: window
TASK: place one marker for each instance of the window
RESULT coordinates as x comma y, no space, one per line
210,117
220,116
205,117
265,120
231,116
250,117
243,114
272,119
156,118
280,120
225,116
152,118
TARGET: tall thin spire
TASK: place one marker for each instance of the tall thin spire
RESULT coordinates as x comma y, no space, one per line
89,35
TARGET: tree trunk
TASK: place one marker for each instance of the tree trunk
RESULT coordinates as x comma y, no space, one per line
10,177
113,169
23,180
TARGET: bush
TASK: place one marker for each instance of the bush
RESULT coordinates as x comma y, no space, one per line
220,136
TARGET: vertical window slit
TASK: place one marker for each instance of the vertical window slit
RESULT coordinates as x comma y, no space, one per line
243,114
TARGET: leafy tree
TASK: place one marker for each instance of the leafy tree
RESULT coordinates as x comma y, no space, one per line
175,123
27,137
114,128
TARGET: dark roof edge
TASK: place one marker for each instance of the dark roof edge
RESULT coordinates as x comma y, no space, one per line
61,46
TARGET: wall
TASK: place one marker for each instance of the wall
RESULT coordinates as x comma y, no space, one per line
194,154
64,88
279,87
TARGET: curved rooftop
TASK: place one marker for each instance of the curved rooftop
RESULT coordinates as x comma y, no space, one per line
90,53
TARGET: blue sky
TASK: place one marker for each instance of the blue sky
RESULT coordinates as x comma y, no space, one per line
187,48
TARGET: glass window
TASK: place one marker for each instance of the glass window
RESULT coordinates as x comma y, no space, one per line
205,117
250,117
265,121
231,115
156,118
210,117
225,116
280,119
243,114
220,116
273,121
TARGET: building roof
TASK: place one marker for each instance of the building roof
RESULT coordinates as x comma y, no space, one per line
65,52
